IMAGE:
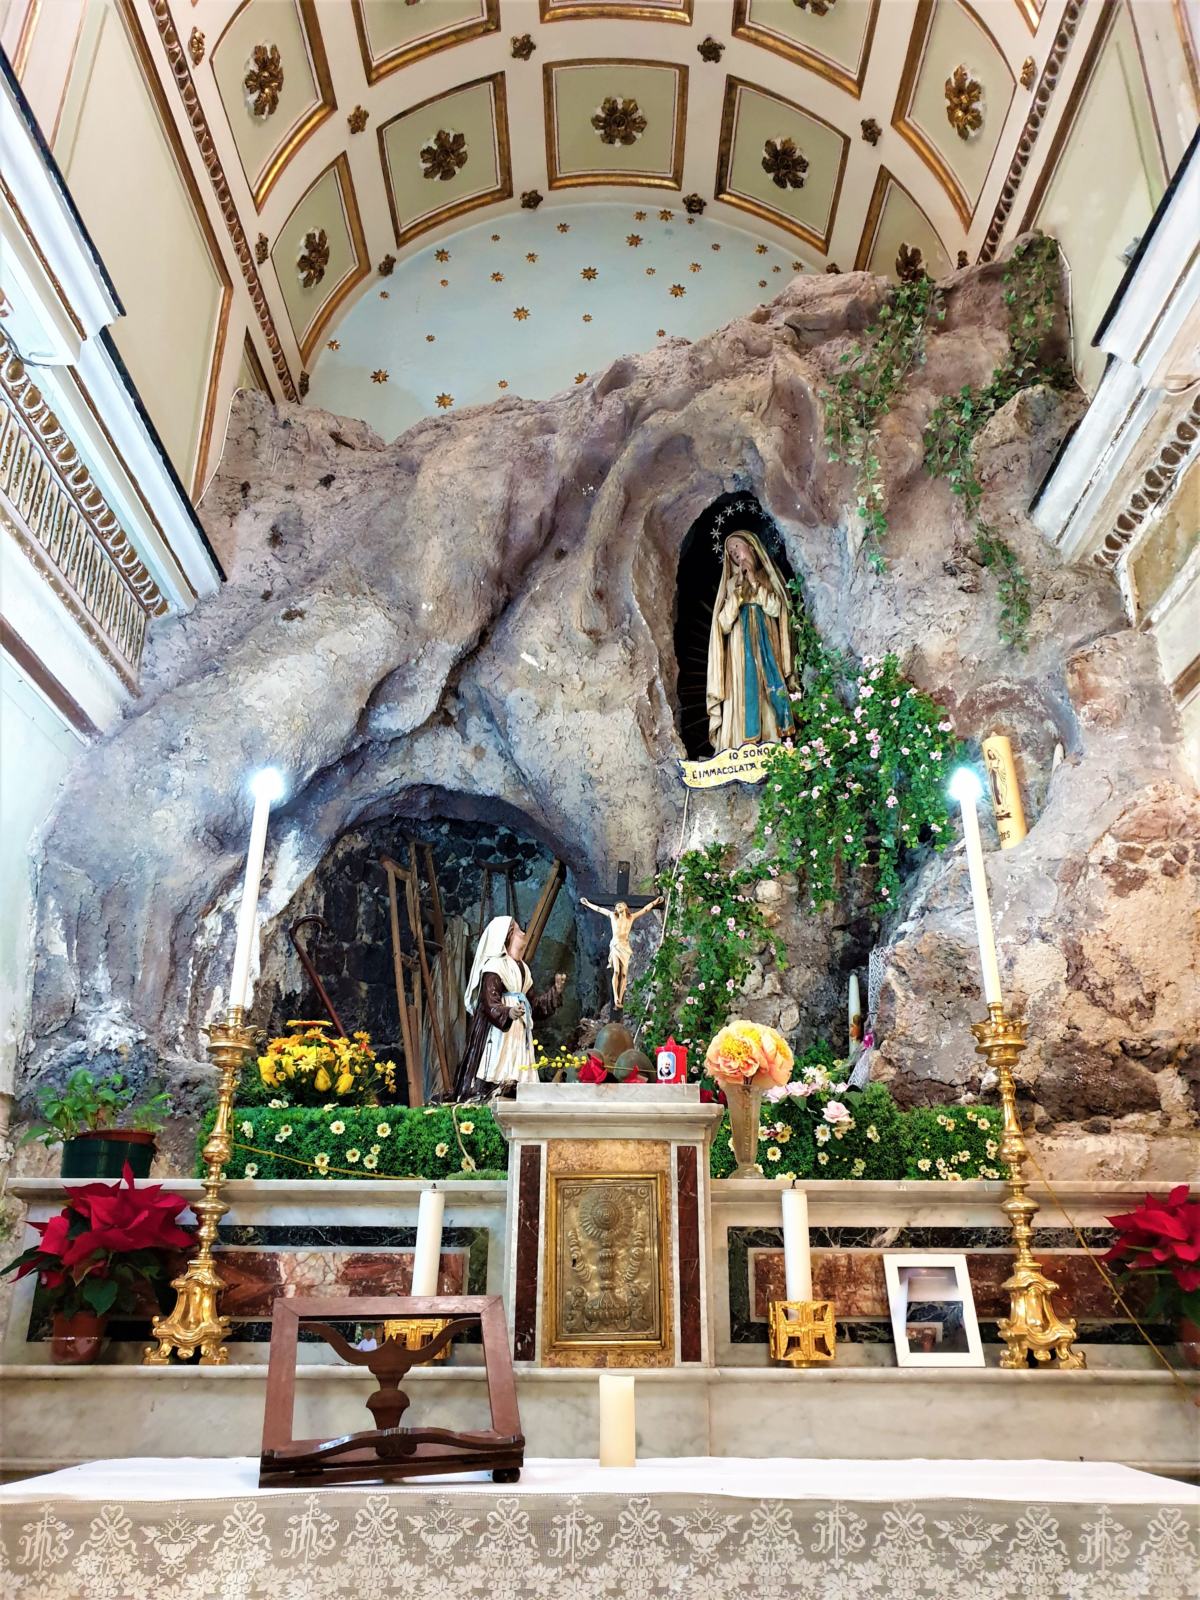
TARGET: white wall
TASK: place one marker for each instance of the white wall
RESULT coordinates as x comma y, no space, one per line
36,749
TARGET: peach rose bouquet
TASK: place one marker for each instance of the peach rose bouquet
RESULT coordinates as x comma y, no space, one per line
749,1054
744,1059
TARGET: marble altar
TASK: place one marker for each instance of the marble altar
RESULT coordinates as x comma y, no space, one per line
1030,1530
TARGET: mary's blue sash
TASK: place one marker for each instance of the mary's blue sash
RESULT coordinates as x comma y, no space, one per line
754,629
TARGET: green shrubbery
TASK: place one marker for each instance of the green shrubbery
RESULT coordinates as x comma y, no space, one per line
799,1138
875,1139
338,1141
953,1142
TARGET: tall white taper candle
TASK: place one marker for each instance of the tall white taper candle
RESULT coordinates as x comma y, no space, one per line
853,1003
966,788
797,1262
427,1256
266,786
618,1421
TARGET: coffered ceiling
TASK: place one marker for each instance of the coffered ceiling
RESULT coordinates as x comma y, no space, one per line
340,138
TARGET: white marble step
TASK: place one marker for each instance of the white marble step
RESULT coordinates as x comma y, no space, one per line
60,1416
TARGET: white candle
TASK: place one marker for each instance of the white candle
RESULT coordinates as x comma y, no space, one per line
797,1263
966,789
427,1257
854,1005
267,786
618,1421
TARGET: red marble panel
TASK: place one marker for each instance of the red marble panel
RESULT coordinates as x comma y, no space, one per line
689,1253
253,1278
854,1281
525,1299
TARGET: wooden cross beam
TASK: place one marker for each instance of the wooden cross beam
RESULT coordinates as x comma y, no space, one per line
634,901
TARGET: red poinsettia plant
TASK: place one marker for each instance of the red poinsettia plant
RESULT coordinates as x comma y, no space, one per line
106,1246
1162,1237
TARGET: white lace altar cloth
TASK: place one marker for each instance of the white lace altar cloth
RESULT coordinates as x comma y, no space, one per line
700,1529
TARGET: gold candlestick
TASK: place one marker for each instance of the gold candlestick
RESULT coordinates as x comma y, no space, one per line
196,1323
802,1332
1032,1327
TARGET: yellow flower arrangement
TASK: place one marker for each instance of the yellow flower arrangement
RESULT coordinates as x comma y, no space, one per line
308,1066
562,1064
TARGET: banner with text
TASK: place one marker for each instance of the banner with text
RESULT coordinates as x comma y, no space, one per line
748,764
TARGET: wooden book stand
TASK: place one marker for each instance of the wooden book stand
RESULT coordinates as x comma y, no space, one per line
387,1451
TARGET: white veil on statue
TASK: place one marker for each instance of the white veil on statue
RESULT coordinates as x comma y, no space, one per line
490,956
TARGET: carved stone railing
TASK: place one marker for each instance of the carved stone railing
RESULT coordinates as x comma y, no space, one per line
64,524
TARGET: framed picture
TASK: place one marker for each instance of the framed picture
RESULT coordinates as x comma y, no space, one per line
932,1309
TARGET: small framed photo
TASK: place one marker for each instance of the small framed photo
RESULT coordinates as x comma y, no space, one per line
932,1309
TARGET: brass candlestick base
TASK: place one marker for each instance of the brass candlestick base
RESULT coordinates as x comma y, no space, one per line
196,1322
413,1332
802,1332
1033,1327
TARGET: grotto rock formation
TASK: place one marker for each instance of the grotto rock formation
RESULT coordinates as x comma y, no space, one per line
477,619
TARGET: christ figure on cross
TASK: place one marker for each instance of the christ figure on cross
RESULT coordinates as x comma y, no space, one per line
620,950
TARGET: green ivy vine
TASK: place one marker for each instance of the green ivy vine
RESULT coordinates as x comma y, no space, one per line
859,398
862,781
712,930
875,370
1031,277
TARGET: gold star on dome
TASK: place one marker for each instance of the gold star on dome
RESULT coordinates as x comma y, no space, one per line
441,255
660,333
564,227
694,266
633,240
521,314
445,282
589,274
777,268
760,249
379,375
495,238
762,283
665,216
497,277
384,295
444,402
797,266
650,271
716,246
532,256
587,316
580,377
430,337
502,383
677,289
334,344
639,216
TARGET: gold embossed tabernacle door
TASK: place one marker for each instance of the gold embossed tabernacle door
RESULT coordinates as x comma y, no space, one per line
607,1261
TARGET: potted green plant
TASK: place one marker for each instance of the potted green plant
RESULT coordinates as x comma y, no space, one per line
102,1123
101,1255
1161,1239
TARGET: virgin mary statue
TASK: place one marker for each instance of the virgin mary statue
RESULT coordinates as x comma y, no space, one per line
749,650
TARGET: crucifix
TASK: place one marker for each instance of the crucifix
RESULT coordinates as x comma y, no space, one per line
622,910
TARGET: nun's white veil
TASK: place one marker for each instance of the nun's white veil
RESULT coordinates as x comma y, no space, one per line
489,953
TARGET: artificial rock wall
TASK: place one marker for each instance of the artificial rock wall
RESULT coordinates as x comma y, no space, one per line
481,613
